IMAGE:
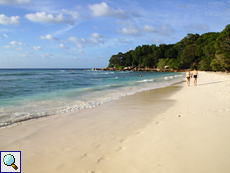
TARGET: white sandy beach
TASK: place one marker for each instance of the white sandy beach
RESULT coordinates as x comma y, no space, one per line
177,129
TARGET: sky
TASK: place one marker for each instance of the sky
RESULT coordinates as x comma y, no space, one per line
85,34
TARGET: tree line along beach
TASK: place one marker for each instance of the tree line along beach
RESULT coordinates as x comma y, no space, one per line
207,52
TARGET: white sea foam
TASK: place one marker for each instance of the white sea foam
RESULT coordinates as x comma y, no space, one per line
147,80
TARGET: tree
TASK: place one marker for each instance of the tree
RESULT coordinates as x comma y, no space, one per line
127,58
222,46
171,53
148,61
188,56
217,63
116,60
173,63
189,39
161,64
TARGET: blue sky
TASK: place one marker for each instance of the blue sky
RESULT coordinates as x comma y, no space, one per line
84,34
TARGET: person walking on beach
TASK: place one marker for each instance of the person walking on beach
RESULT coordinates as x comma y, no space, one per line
195,76
188,75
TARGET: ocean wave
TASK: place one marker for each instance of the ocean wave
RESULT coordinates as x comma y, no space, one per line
168,77
178,75
103,73
19,74
126,71
147,80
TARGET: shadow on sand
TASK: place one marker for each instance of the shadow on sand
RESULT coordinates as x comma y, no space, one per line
211,83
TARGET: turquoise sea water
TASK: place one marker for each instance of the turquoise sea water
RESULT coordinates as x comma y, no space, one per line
32,93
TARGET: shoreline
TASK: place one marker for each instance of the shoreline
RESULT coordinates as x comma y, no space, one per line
170,129
166,89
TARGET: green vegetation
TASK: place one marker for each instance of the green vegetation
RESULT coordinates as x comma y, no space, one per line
209,51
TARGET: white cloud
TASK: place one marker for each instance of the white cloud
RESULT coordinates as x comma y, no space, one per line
17,43
96,35
46,55
48,37
74,14
9,20
13,47
149,28
94,39
81,51
8,47
5,35
78,42
100,10
62,46
6,2
14,43
42,17
129,30
37,48
73,39
165,30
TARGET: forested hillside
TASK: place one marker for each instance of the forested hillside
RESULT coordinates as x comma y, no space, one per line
209,51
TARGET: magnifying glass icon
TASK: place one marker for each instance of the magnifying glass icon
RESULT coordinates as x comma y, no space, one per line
9,160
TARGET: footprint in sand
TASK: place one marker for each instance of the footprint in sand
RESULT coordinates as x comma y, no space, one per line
100,159
122,140
138,133
84,155
98,146
120,149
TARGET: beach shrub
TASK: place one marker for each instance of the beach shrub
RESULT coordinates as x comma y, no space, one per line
161,64
217,64
121,67
173,63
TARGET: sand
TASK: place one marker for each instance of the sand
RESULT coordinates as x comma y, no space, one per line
176,129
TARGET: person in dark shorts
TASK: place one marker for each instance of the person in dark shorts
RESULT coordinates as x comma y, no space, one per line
188,76
195,76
